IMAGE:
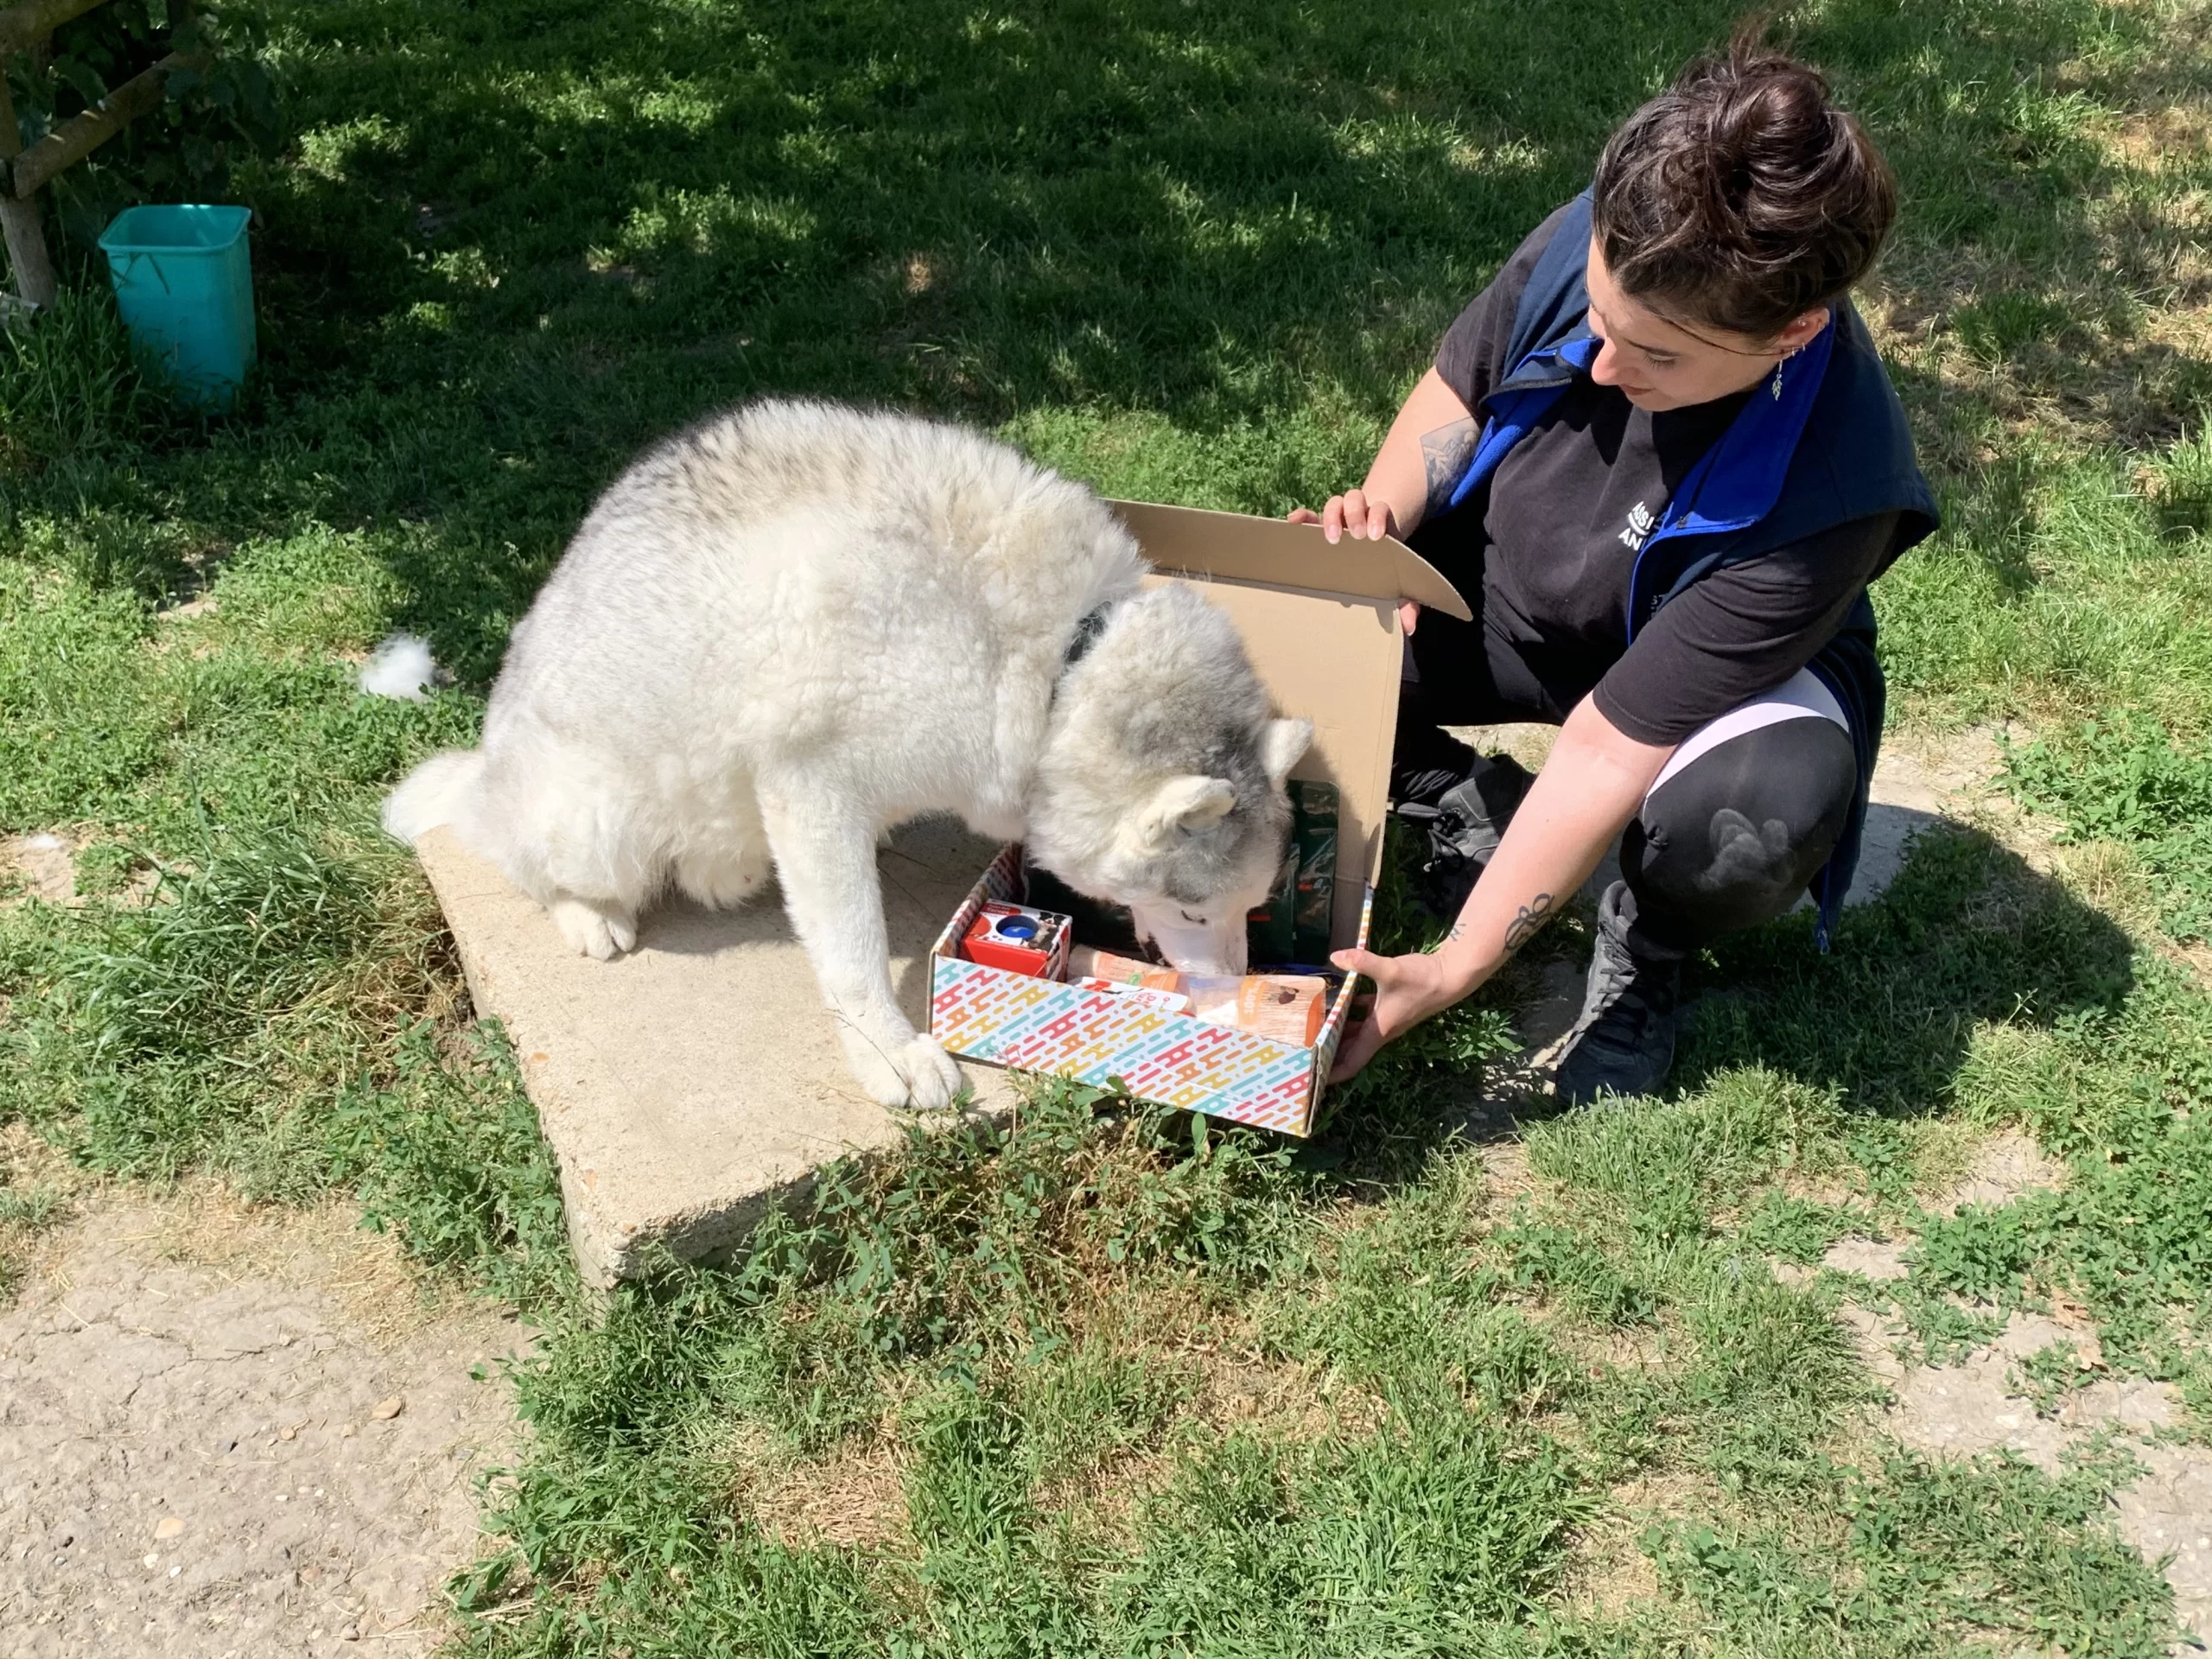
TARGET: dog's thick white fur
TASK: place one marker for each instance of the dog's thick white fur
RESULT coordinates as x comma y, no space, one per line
797,624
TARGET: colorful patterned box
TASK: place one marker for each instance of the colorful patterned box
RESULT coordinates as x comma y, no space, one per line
1042,1024
1321,625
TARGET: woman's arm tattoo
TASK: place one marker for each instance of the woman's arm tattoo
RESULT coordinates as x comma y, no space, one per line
1532,916
1444,454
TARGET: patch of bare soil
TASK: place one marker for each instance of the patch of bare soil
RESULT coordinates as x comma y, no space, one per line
1608,1575
230,1431
1292,1401
44,867
856,1495
2005,1166
1982,1404
39,866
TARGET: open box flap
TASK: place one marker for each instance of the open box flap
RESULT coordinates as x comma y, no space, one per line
1320,625
1238,547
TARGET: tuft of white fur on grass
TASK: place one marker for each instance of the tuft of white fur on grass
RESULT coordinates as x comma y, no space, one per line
402,667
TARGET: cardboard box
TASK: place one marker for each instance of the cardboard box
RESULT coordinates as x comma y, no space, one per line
1321,625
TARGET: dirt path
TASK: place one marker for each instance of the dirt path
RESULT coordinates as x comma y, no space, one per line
1982,1405
229,1431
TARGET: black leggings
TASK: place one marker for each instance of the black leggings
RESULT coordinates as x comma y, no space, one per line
1731,839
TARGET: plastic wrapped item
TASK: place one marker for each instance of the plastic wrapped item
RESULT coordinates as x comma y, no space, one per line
1085,962
1287,1007
1165,1002
1314,834
1295,918
1270,931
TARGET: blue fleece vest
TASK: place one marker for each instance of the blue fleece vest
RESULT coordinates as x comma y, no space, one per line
1824,443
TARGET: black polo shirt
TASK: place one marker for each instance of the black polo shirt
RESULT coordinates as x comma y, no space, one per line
1557,531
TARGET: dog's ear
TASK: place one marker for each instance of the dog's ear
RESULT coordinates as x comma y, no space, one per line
1190,802
1282,744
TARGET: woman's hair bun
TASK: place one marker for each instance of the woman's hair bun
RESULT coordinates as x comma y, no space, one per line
1741,196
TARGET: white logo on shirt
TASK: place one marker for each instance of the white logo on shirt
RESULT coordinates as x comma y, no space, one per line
1640,522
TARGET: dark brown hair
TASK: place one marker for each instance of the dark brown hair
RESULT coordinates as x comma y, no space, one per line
1741,197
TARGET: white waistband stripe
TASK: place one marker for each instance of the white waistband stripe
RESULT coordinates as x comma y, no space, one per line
1799,698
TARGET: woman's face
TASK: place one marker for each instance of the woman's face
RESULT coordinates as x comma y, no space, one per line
1660,365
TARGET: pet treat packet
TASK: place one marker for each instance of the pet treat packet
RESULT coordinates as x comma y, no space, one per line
1314,834
1289,1008
1165,1002
1086,962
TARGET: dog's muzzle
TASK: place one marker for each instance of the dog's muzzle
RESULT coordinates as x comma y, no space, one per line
1212,947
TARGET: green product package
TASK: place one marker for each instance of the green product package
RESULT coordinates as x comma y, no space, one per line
1314,835
1270,931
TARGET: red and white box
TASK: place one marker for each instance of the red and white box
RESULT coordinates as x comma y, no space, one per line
1018,939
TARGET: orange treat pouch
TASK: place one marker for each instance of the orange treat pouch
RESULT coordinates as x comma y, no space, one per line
1286,1007
1083,963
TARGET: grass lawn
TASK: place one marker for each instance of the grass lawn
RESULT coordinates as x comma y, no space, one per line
1133,1384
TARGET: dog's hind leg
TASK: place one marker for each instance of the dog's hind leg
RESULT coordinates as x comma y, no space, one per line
724,861
597,928
558,831
825,858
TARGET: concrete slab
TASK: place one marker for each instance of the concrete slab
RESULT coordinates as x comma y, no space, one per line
687,1087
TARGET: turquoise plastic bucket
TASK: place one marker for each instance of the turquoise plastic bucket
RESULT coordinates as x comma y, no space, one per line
185,288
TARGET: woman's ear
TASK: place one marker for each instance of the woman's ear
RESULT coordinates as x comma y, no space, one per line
1800,330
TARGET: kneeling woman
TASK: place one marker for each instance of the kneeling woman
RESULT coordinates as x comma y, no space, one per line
1660,458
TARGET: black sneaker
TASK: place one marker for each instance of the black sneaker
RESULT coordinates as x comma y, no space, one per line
1624,1044
1465,815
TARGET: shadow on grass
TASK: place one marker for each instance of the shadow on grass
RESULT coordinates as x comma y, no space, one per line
1193,254
1968,934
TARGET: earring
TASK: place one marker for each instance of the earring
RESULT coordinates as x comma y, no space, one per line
1778,362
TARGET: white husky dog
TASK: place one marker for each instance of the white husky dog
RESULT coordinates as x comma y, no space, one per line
797,624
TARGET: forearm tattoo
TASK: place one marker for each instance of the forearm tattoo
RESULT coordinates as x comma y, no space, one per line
1532,916
1444,454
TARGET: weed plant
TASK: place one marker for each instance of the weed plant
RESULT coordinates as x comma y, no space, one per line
70,389
2125,781
1099,1379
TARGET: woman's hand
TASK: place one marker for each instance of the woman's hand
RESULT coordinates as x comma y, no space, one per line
1426,451
1589,788
1408,991
1368,518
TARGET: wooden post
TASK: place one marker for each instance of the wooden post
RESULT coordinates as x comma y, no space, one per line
26,27
86,130
19,217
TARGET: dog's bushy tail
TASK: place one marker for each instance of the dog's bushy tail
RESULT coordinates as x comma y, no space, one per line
436,793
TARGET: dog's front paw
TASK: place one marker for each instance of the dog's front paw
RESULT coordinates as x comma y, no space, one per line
601,934
932,1076
917,1074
